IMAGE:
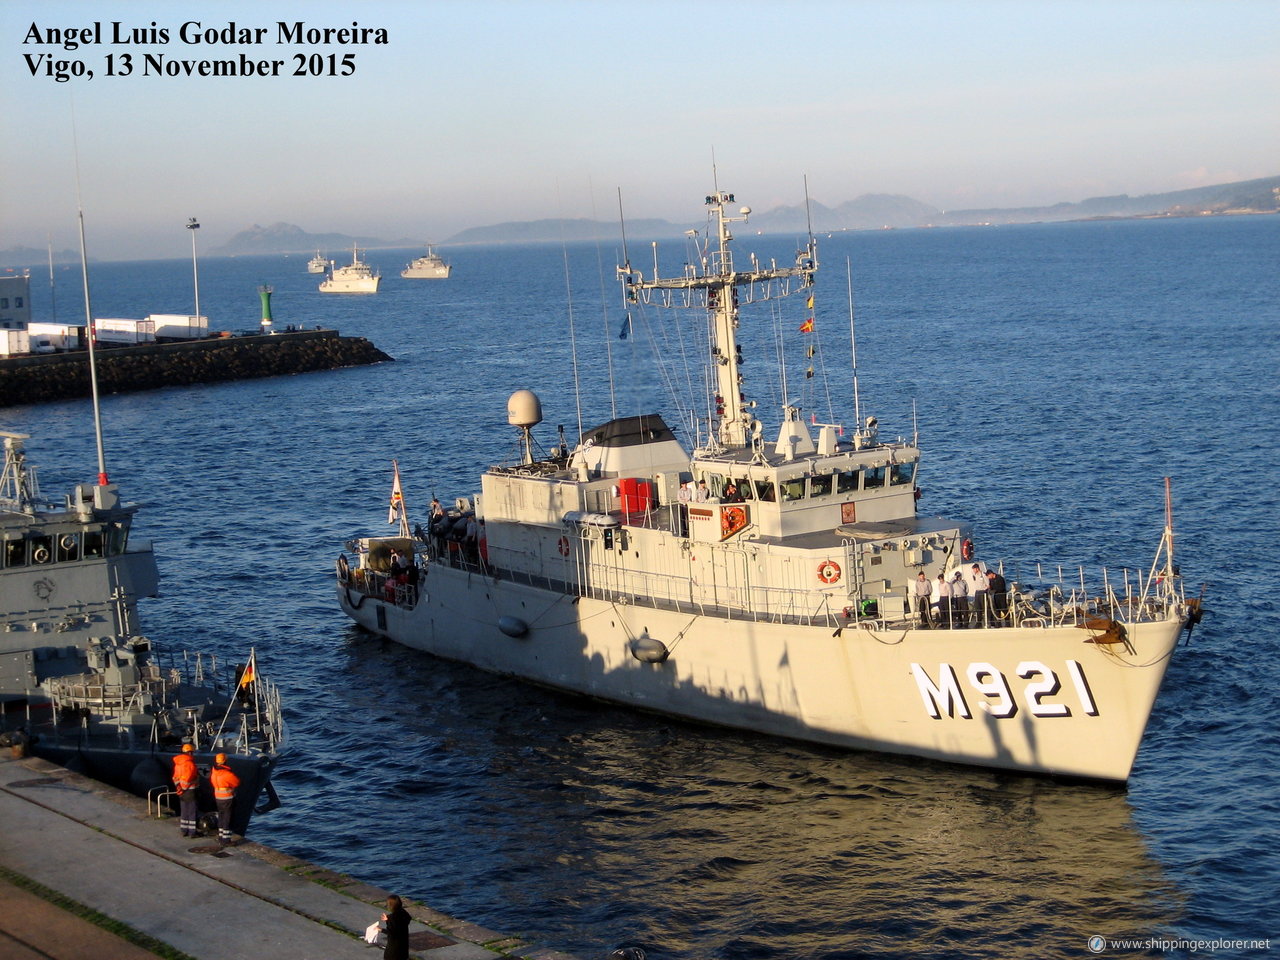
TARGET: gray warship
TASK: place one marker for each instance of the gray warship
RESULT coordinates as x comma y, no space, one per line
79,683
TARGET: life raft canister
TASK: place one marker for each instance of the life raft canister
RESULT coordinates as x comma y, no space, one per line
828,571
966,549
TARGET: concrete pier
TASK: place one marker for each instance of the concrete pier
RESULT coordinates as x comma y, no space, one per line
68,843
65,376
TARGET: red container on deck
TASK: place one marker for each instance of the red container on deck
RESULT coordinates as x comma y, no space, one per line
636,494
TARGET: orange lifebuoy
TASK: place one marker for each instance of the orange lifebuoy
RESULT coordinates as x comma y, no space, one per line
732,520
966,549
563,546
828,571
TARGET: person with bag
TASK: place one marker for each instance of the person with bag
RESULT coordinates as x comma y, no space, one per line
396,924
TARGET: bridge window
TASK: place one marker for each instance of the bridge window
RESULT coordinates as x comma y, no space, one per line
902,473
874,478
766,492
117,537
93,543
15,553
793,489
847,481
820,486
41,549
68,547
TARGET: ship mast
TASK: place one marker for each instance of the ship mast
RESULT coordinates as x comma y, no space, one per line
714,285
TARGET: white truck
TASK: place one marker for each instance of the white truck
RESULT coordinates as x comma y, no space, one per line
120,330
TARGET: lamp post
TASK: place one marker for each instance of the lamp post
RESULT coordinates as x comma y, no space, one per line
193,225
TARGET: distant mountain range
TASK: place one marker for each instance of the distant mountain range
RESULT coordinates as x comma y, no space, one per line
872,211
287,238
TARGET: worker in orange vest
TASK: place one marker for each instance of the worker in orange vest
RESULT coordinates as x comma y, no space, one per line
185,780
224,783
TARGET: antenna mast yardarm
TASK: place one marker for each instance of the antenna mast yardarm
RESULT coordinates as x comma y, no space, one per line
720,290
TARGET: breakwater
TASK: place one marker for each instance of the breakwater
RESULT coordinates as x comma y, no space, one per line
65,376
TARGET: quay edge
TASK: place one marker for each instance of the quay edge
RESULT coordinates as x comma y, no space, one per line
56,818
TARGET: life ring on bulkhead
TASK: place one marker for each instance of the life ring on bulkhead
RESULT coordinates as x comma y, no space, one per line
41,555
563,546
966,549
68,542
344,569
828,571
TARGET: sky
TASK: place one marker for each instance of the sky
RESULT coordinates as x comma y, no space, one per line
480,112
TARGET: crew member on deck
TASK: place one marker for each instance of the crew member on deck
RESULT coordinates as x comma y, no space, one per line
959,600
923,591
942,592
998,591
978,592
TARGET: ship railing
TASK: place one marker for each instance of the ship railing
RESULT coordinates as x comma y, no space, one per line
1057,599
109,700
681,594
380,586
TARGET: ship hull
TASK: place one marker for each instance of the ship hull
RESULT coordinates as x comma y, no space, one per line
361,285
429,272
1038,700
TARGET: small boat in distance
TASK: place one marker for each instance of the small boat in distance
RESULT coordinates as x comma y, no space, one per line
790,588
317,264
430,267
356,277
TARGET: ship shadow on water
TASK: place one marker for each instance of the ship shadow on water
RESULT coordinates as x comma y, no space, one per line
520,807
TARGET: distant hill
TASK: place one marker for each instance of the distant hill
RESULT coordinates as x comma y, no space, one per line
875,211
26,256
872,211
288,238
1245,196
532,231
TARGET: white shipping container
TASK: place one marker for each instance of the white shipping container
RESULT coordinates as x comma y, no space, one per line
179,326
119,330
14,342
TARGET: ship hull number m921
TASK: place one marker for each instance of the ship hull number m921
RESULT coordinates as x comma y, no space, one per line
1041,690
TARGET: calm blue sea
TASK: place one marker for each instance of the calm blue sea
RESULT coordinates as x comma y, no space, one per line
1056,373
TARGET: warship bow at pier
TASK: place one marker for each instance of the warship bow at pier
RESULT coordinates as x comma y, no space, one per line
79,683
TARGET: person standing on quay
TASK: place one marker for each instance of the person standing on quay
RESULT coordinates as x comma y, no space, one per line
185,780
224,783
396,921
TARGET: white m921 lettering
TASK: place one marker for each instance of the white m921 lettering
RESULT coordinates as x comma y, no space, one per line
1041,691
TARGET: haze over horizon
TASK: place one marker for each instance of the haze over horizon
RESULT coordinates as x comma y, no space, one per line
483,112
